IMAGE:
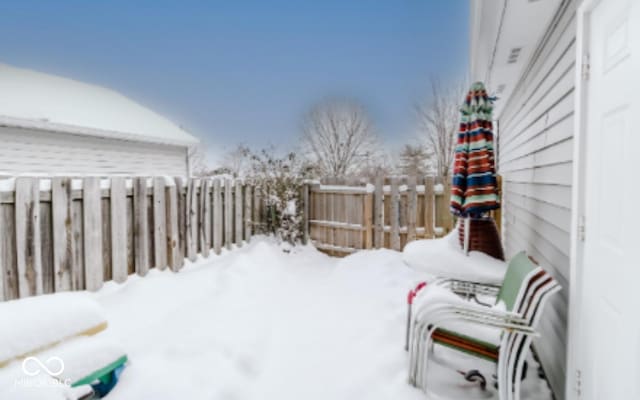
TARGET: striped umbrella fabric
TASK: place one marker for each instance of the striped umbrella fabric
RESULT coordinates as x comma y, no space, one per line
474,187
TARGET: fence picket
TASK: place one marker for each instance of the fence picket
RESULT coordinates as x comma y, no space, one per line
228,213
248,195
447,218
118,194
140,226
429,207
181,198
159,223
175,258
27,223
62,233
257,209
46,247
378,208
205,220
192,219
238,213
8,268
395,214
77,274
92,234
412,208
217,217
368,220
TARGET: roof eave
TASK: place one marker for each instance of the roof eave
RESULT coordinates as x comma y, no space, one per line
49,126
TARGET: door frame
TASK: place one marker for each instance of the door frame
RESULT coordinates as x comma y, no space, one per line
575,343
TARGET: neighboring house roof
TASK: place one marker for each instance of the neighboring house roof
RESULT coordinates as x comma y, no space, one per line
504,38
30,99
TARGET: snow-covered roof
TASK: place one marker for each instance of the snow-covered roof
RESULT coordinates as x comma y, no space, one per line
31,99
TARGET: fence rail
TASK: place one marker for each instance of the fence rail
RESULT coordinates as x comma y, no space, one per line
389,213
59,234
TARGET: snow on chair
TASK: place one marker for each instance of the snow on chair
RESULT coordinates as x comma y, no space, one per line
64,328
443,317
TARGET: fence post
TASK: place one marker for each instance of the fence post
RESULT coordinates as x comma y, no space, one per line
367,219
429,207
395,214
27,213
379,212
412,212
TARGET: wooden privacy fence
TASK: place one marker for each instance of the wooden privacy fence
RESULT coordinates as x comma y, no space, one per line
387,214
59,234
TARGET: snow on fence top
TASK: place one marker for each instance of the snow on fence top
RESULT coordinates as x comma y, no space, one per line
9,184
34,100
438,188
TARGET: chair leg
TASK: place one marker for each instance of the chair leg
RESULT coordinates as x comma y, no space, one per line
520,367
428,347
408,328
502,372
414,354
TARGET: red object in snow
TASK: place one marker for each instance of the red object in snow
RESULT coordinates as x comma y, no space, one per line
413,293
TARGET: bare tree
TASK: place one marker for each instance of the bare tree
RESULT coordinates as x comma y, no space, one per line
237,161
338,138
438,119
197,160
414,160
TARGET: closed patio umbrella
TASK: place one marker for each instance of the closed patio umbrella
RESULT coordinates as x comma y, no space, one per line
474,190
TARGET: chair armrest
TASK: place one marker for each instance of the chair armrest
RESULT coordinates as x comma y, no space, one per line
502,324
468,309
504,320
467,288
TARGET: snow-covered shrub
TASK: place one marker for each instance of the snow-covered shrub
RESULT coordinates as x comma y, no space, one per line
279,181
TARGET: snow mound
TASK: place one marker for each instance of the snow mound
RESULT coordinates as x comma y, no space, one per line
34,323
444,258
261,323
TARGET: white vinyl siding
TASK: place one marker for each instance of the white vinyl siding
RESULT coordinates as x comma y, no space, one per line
535,159
42,152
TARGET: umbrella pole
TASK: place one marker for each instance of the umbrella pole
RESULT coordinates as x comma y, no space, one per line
467,230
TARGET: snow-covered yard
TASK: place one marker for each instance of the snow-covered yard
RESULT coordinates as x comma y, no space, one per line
260,323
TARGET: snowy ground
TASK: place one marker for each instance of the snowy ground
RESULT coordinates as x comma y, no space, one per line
258,323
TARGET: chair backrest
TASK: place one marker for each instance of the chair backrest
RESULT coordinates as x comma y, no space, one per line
519,276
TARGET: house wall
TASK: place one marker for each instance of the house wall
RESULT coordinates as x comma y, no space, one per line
23,150
535,159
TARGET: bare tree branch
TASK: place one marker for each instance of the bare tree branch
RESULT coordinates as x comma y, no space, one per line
338,138
438,120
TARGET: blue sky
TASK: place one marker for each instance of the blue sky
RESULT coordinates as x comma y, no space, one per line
246,71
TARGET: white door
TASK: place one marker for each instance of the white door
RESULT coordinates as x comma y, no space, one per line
609,354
